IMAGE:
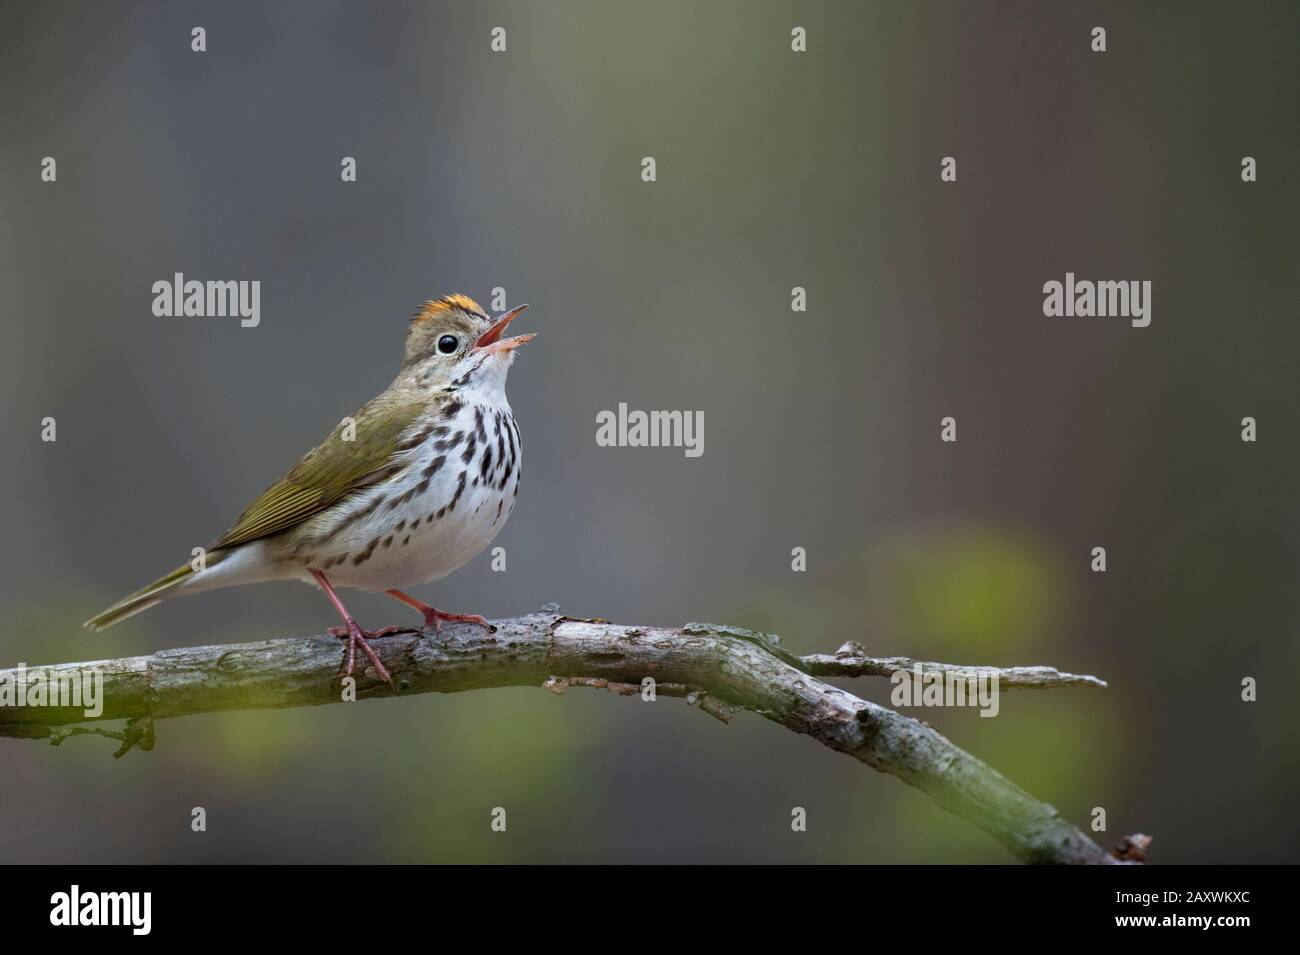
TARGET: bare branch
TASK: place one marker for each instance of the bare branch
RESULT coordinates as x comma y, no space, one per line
851,660
720,669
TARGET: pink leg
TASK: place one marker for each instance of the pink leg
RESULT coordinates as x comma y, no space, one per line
355,636
434,617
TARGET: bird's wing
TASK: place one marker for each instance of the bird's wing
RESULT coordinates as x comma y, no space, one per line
330,472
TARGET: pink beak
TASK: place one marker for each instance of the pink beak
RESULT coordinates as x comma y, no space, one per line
491,341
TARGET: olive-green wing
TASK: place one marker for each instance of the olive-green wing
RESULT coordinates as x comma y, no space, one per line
328,473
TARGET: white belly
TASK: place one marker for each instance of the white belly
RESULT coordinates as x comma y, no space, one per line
430,519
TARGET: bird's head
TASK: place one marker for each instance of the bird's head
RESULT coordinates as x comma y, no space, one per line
452,339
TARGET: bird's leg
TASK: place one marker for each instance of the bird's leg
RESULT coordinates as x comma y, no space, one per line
355,636
433,617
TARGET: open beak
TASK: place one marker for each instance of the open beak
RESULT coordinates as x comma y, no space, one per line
491,341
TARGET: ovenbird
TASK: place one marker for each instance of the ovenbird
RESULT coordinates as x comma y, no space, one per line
405,490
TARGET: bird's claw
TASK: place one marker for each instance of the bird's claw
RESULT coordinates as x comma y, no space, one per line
356,637
341,632
434,617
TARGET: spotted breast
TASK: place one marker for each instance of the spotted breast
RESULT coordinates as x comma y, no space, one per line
454,494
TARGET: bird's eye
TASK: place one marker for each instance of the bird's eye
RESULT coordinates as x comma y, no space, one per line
447,344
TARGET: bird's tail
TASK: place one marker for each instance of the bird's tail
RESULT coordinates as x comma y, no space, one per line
141,600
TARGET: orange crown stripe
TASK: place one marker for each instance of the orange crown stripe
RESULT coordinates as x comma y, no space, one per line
449,303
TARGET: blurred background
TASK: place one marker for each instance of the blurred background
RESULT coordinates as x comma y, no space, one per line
522,170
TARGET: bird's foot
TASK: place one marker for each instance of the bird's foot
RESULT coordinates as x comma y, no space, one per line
356,637
368,634
433,617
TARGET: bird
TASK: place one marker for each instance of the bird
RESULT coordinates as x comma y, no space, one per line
405,490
